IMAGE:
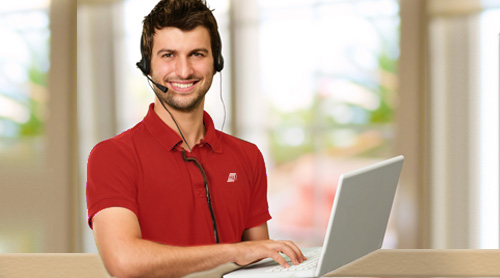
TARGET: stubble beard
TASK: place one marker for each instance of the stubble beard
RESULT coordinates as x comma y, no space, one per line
183,106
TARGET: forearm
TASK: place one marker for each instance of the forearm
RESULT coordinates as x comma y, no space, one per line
142,258
126,255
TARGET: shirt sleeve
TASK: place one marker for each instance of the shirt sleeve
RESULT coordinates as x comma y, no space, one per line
259,208
111,178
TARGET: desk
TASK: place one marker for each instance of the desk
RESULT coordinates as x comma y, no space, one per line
423,263
381,263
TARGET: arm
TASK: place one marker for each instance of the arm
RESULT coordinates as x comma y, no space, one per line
256,233
125,254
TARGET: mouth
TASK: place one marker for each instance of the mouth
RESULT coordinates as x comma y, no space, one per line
183,86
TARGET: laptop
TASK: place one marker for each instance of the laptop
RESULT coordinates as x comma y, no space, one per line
357,224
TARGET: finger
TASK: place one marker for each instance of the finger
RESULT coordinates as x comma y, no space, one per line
287,250
296,249
293,252
279,259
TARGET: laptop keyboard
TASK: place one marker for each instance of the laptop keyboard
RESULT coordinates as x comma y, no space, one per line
311,262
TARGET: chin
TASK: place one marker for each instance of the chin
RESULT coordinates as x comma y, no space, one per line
186,107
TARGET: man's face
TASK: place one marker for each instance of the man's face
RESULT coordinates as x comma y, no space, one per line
183,62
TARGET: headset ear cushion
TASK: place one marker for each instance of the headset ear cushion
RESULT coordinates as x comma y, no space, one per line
219,64
142,65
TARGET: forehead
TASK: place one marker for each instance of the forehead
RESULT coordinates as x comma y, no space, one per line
173,38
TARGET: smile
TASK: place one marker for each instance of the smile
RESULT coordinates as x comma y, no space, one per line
183,85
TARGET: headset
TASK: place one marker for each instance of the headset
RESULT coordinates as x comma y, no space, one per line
145,66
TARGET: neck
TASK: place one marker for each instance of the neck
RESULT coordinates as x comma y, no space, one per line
190,123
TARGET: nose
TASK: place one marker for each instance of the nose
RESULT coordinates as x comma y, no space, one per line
184,68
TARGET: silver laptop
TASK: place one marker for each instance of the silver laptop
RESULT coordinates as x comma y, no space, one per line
357,224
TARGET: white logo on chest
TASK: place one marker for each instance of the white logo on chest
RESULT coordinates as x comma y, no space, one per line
232,177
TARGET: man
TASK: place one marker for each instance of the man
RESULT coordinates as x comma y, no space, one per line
161,194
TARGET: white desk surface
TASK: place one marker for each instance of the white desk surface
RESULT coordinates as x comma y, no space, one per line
381,263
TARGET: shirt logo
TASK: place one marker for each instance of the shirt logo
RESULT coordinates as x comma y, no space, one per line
232,177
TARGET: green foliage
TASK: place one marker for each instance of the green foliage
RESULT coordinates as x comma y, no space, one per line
34,126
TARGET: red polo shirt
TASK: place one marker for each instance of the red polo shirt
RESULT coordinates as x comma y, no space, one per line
143,170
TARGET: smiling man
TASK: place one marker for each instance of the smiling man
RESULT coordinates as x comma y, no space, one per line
173,195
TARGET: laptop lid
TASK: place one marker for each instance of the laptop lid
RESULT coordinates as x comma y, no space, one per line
360,214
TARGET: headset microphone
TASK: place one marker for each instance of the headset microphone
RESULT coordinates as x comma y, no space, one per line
162,88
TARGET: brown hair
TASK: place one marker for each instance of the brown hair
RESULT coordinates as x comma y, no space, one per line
185,15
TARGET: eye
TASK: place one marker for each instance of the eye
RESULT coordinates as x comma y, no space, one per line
199,54
167,55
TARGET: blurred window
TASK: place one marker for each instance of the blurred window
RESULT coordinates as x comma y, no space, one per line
328,75
24,65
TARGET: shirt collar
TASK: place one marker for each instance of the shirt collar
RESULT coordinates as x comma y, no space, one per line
170,139
212,136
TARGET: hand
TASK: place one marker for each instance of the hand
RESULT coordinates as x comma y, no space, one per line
252,251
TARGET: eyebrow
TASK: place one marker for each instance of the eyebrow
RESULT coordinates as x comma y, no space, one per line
163,50
200,50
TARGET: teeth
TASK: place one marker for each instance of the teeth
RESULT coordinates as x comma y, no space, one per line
182,85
